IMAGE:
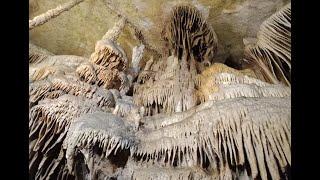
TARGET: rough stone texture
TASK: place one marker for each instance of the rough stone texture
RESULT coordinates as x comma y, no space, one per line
76,31
242,20
241,129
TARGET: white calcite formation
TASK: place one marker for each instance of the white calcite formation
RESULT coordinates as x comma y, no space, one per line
181,117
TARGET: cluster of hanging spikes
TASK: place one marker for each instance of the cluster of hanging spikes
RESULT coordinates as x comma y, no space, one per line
235,128
191,43
188,33
272,51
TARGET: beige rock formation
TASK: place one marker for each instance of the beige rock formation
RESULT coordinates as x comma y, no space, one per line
76,31
182,115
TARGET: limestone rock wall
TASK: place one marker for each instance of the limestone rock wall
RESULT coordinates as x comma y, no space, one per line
76,31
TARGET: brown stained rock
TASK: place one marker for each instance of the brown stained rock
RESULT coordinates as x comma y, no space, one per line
241,126
110,55
76,31
188,32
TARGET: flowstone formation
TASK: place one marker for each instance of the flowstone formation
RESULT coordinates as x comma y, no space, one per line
272,51
181,116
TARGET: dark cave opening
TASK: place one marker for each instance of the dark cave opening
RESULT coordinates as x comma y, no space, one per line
233,63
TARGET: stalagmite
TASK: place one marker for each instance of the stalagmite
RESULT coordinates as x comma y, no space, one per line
137,54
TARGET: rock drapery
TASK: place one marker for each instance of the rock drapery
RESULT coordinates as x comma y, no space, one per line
106,117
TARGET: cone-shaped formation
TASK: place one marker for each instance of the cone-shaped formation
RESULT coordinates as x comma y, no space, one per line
108,65
272,52
188,33
171,89
224,123
177,89
109,55
170,85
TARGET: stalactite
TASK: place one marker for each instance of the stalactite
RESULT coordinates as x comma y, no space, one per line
43,89
49,122
184,120
220,82
272,51
54,65
173,87
188,32
37,54
104,129
235,121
